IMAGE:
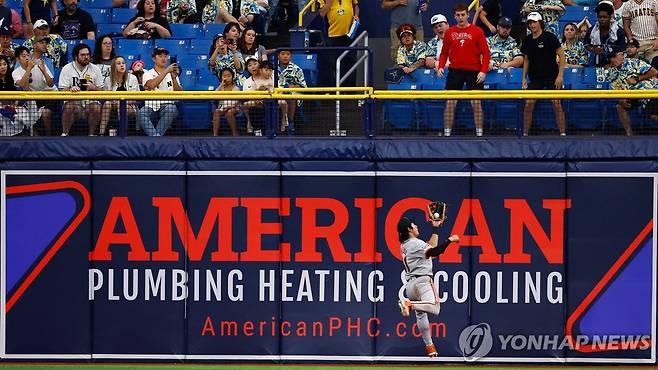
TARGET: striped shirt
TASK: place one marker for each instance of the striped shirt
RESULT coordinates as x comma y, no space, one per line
643,18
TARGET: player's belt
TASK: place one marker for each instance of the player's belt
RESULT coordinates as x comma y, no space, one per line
417,276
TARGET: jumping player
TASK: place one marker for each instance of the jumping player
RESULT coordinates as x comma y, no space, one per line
416,256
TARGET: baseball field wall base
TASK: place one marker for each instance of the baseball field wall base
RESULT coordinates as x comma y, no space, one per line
186,253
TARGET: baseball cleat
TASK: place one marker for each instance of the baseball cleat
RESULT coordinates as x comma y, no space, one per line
431,351
405,307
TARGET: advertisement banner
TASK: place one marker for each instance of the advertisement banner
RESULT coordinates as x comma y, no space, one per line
300,261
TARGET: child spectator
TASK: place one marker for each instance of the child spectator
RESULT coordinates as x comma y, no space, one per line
290,75
137,69
148,23
261,79
228,108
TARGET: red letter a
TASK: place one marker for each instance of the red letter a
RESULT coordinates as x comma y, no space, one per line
119,208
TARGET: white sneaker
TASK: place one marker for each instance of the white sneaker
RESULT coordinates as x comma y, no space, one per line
64,134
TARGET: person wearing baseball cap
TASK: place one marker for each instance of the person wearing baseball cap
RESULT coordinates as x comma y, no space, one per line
604,35
632,47
505,52
540,51
57,47
630,74
421,295
162,77
468,51
488,15
439,26
7,47
411,53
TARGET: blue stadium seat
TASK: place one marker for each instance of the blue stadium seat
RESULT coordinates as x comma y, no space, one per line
109,29
574,14
200,47
100,15
589,75
70,44
99,4
424,76
437,84
309,64
188,79
196,114
515,76
497,76
175,47
130,58
585,113
213,29
572,76
122,15
430,112
401,114
206,79
142,48
186,31
14,4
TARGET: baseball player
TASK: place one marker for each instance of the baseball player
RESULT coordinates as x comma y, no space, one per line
416,256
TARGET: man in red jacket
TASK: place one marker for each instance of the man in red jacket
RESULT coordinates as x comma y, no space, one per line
468,51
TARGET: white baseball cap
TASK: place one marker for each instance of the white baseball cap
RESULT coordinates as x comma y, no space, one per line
534,16
438,18
40,23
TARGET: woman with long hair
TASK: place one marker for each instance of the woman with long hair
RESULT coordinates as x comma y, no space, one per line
104,55
120,80
574,50
261,78
6,79
224,54
249,47
148,23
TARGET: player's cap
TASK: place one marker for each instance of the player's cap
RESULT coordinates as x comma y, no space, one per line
633,42
5,32
534,16
404,225
505,22
605,6
438,18
158,51
41,23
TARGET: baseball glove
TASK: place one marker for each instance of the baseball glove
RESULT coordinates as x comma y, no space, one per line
437,211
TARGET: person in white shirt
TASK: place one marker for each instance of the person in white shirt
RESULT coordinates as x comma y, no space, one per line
261,79
160,78
32,74
119,79
81,75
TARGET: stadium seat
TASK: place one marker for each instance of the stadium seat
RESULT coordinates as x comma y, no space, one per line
130,58
100,15
70,44
14,4
423,76
401,114
309,64
200,47
142,48
572,76
110,29
186,31
99,4
584,113
175,47
589,75
196,114
574,14
122,15
188,79
515,76
497,76
206,80
213,29
437,84
431,111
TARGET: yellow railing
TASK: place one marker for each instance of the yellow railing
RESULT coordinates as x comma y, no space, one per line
329,93
305,9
